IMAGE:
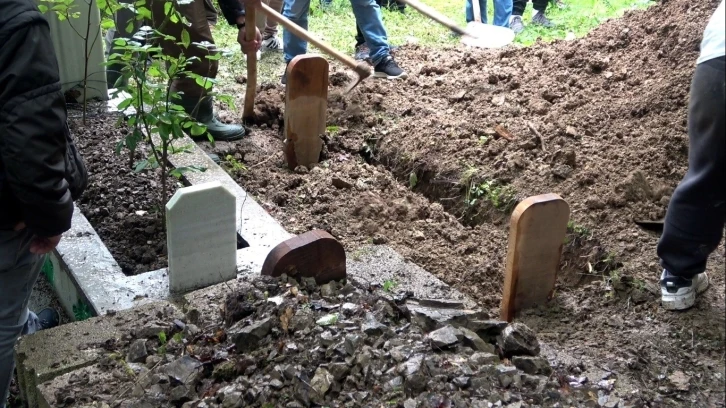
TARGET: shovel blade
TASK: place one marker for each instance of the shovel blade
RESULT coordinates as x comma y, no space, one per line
487,36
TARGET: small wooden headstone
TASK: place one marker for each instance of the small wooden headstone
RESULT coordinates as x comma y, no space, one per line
536,236
201,236
314,254
306,104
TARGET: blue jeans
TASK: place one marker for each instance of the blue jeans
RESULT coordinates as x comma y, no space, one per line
18,271
367,15
502,11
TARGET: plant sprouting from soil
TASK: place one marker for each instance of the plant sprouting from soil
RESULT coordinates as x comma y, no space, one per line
499,196
389,285
233,166
150,110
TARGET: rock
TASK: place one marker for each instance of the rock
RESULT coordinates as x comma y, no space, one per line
680,381
430,318
185,370
444,337
608,401
151,330
410,403
506,374
181,393
412,366
394,384
321,382
303,319
191,330
571,131
488,330
328,320
137,352
473,341
415,384
340,183
461,382
532,365
329,289
350,309
339,370
562,171
351,343
248,338
482,359
372,327
233,400
517,340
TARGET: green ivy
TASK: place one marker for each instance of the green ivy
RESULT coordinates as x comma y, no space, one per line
47,269
81,311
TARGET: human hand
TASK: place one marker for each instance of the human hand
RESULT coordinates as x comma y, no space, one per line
40,245
249,47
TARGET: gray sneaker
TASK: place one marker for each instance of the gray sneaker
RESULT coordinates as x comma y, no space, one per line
516,24
541,19
680,293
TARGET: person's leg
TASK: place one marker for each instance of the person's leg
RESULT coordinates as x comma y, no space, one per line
696,213
270,28
194,97
359,39
368,17
211,11
469,11
19,270
502,12
518,7
297,12
539,17
362,52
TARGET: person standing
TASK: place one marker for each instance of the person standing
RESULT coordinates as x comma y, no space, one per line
502,12
695,217
538,15
362,51
367,15
41,172
269,29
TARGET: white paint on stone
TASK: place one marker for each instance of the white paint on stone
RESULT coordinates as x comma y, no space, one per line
201,236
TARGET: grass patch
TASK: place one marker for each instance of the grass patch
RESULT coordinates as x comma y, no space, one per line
336,25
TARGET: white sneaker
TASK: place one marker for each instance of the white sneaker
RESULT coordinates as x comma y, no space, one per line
271,43
259,55
679,293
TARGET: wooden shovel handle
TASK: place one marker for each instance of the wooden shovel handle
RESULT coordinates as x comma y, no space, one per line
307,36
436,16
250,32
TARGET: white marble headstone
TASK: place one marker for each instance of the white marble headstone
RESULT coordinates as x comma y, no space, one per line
201,236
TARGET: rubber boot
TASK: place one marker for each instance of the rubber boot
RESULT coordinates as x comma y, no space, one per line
203,112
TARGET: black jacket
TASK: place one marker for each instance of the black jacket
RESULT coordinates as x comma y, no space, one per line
40,170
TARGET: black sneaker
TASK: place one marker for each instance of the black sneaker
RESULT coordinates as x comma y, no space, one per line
389,69
362,52
516,24
677,293
48,318
541,19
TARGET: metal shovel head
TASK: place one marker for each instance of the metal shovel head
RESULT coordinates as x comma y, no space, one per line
487,36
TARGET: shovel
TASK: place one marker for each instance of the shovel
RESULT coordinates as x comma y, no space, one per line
476,34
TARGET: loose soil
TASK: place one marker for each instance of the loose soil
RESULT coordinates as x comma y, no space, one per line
121,205
420,166
404,161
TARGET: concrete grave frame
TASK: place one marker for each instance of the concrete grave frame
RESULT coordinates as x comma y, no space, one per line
89,282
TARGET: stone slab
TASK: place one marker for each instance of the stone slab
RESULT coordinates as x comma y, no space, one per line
373,264
50,353
201,236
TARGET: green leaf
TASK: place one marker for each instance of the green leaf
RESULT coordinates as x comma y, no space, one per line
107,24
185,39
168,8
130,26
43,8
125,103
198,130
412,180
141,165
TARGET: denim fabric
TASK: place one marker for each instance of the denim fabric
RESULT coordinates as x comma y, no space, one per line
502,11
19,270
367,15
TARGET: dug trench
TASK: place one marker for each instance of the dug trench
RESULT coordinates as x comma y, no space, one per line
420,166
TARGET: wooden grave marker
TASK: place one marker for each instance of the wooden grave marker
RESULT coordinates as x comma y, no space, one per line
536,237
201,236
314,254
306,104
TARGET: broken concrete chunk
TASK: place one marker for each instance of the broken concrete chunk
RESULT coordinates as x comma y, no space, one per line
321,382
248,338
137,352
373,327
185,370
445,337
473,341
518,340
532,365
482,359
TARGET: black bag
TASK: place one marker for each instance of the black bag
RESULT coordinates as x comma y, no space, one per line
76,172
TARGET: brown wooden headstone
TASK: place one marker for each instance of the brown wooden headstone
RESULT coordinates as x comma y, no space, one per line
306,104
314,254
536,236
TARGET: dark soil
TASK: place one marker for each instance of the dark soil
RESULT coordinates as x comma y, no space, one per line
123,206
610,110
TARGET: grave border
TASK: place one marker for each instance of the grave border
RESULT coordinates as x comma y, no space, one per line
89,282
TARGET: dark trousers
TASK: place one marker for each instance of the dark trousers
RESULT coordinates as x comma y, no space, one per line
390,4
519,6
695,219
